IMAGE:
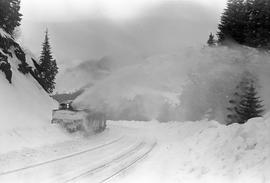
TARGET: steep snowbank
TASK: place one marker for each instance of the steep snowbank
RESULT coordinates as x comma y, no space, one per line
204,151
25,109
237,153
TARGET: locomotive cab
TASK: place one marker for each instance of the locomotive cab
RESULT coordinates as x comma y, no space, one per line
66,106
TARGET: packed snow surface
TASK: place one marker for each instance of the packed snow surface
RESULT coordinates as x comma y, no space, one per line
190,152
204,151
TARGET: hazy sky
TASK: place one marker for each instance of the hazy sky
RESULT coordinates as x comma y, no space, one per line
89,29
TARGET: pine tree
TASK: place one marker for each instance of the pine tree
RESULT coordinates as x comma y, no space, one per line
211,40
47,66
10,16
250,105
244,104
233,22
234,102
258,35
246,22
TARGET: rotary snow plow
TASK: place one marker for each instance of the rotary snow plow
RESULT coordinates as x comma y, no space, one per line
78,120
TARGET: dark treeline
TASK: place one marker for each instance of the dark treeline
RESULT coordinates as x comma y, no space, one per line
10,17
247,22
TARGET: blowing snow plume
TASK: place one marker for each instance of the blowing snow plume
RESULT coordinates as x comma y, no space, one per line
189,85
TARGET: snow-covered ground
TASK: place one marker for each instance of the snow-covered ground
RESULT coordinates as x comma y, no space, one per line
205,152
132,151
25,110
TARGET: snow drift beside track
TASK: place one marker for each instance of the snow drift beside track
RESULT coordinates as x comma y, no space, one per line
203,152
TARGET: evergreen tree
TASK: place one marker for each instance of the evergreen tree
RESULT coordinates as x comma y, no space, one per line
10,16
258,34
246,22
47,66
244,104
233,22
211,40
233,117
250,105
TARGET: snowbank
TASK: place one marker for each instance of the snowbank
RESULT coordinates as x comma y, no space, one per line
236,153
25,110
205,151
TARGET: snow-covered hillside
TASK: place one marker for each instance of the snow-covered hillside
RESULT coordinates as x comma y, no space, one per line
25,108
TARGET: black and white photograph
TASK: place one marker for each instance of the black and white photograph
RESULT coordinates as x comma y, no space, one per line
134,91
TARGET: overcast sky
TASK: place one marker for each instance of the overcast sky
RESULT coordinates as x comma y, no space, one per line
90,29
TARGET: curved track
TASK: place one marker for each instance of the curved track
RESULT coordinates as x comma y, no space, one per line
99,163
133,162
96,164
60,158
116,166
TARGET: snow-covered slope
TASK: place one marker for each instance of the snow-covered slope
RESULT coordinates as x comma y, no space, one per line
25,109
23,102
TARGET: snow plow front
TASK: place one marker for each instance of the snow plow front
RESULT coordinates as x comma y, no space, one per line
78,120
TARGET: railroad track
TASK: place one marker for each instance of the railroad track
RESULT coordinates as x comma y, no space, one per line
60,158
133,162
108,161
115,166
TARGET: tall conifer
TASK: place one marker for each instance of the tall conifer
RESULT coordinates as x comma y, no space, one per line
250,105
244,104
48,67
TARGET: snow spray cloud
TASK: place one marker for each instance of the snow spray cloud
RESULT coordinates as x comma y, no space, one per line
212,84
189,85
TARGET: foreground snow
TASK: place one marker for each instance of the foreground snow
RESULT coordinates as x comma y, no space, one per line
203,151
94,158
206,152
